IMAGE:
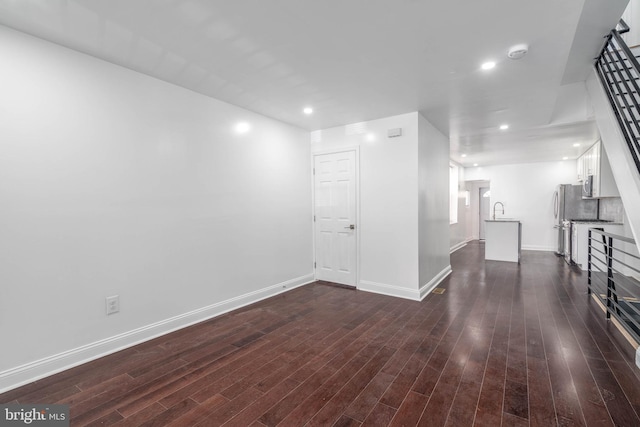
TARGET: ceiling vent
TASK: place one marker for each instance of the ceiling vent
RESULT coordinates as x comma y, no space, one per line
394,133
518,51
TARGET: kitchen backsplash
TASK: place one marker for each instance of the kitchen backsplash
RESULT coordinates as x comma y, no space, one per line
611,209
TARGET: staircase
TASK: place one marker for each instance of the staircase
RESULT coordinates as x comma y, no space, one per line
619,72
614,89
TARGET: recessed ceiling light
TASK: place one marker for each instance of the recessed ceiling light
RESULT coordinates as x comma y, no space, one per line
577,144
475,164
464,155
243,127
565,158
488,65
504,127
307,110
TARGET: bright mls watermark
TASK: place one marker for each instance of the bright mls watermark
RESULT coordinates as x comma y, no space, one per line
34,415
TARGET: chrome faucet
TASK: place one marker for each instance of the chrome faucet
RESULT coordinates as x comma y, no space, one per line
494,209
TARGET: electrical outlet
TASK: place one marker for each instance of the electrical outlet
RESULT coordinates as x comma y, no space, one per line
113,304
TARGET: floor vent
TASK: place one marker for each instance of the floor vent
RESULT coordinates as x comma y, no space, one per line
438,291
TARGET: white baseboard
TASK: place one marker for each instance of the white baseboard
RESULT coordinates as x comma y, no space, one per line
389,290
524,247
406,293
433,283
27,373
458,246
538,248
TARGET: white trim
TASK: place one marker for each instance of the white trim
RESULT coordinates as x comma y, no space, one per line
356,149
538,248
29,372
389,290
335,150
433,283
406,293
638,357
458,246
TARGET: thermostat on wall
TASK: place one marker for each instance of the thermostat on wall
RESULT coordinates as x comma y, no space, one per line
393,133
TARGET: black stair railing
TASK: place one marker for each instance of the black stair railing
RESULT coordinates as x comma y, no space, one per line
619,72
613,272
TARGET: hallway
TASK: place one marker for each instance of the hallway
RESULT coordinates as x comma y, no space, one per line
504,344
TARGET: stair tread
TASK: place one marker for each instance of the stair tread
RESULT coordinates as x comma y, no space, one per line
626,58
628,80
626,93
628,66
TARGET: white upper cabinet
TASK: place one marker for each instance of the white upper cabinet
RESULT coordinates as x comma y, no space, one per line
595,162
580,168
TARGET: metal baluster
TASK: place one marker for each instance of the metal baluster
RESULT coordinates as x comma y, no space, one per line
589,264
610,276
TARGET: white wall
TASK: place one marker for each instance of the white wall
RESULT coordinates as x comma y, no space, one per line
631,16
622,165
526,190
458,232
433,226
473,215
572,105
112,182
388,224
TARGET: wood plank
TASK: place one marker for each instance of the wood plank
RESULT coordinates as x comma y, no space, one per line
506,344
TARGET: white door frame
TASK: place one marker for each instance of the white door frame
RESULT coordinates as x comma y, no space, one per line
480,219
355,149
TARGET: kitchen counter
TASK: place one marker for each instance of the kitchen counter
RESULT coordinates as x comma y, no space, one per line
503,240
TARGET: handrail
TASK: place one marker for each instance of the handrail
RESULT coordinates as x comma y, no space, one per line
615,236
625,27
610,268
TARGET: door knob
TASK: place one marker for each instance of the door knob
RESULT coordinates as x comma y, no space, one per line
351,227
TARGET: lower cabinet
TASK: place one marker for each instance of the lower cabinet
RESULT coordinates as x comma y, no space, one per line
580,240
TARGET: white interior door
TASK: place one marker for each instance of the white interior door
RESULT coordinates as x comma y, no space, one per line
335,217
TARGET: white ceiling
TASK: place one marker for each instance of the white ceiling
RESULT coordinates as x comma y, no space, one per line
357,60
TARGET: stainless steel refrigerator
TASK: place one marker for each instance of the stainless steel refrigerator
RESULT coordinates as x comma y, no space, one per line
569,205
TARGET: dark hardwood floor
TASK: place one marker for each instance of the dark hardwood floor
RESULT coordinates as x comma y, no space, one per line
504,345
